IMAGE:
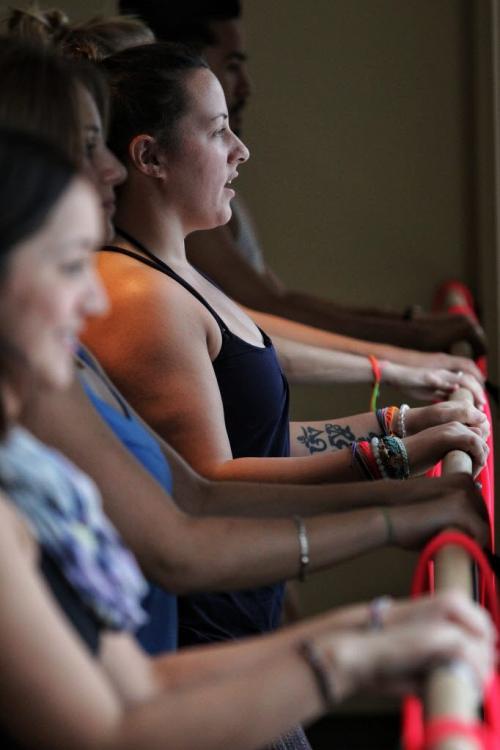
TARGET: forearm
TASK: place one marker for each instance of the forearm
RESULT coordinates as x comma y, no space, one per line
304,363
275,325
194,666
285,500
227,554
321,312
246,709
306,469
318,437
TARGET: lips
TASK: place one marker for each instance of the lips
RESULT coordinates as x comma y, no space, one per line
109,207
233,177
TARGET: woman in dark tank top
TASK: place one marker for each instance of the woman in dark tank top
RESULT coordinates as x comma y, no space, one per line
188,359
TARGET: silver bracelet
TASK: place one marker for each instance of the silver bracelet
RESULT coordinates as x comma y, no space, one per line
303,546
403,410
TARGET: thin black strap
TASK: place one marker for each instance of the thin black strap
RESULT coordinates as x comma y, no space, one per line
136,243
159,265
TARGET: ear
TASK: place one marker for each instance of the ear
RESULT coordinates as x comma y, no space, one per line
144,154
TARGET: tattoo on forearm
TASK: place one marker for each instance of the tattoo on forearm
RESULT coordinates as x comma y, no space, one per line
336,436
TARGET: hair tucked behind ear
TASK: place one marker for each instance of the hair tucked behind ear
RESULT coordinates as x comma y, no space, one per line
147,87
34,176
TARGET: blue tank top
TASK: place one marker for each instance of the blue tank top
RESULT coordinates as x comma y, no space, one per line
255,398
160,633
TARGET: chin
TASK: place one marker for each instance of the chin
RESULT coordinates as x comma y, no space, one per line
225,215
59,374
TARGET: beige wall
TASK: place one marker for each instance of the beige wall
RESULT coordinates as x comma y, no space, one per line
360,174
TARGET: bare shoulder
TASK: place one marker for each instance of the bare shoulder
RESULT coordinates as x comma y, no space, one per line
141,294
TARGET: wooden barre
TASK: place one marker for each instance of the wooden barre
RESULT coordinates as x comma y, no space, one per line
448,692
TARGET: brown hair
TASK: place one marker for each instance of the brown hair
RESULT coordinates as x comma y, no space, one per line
148,93
39,90
39,94
92,39
35,174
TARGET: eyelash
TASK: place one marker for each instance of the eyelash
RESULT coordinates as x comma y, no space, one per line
221,132
90,149
73,268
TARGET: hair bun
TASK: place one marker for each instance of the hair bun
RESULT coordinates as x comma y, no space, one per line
57,20
34,23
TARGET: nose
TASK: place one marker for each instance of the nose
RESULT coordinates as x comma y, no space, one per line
239,152
113,172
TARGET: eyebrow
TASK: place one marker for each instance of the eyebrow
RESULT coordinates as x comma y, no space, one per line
222,114
92,128
241,56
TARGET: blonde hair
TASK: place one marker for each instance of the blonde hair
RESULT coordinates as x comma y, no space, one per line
93,39
33,24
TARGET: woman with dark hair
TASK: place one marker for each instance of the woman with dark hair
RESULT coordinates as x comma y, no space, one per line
187,358
76,621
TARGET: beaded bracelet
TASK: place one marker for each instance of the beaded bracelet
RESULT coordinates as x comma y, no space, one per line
403,410
381,458
374,444
316,664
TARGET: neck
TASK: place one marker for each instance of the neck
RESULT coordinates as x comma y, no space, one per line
142,213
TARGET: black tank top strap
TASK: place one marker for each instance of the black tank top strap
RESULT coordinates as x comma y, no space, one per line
159,265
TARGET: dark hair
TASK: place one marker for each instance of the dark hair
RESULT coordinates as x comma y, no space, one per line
35,174
147,92
184,21
38,93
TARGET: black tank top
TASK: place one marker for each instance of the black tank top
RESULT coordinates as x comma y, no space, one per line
255,399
